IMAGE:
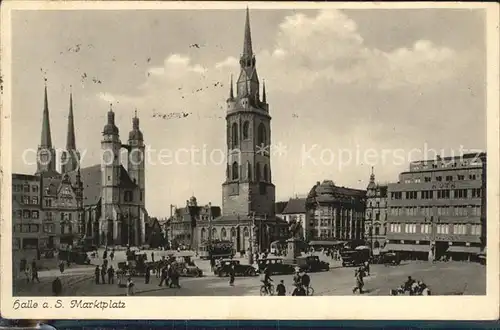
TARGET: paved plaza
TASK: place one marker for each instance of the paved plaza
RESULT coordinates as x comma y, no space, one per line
444,278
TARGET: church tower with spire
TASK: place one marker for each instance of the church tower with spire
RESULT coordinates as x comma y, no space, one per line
248,187
46,154
70,158
136,159
110,180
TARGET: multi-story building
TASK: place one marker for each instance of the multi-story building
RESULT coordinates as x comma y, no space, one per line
184,222
295,210
336,213
248,193
376,213
27,216
437,208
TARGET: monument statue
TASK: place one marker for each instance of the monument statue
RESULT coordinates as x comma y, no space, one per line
295,229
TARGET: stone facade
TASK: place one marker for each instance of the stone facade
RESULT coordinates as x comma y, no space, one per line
376,213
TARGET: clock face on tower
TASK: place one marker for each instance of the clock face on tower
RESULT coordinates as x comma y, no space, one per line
107,157
44,156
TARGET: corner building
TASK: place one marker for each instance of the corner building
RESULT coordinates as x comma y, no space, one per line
438,208
376,213
248,194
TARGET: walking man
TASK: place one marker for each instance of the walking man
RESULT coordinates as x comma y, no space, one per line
97,272
147,275
103,274
231,275
359,274
111,275
34,272
280,289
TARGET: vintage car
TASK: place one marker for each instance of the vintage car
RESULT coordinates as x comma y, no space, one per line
482,259
312,264
354,257
186,267
224,266
275,265
390,258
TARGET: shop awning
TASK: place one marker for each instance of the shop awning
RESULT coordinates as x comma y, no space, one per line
464,249
407,247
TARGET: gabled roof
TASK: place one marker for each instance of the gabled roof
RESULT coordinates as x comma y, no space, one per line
295,205
279,207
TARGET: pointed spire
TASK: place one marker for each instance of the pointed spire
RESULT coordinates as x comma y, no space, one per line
70,139
372,177
264,91
247,43
46,138
135,121
231,94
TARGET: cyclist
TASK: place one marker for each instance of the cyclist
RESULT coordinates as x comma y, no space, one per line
267,279
297,277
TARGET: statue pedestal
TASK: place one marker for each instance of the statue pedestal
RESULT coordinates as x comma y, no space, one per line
292,251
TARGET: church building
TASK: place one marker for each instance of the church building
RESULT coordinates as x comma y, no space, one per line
248,194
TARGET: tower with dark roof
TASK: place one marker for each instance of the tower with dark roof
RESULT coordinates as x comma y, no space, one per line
110,179
46,154
70,158
248,187
136,158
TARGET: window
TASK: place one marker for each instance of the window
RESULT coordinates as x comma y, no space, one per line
235,171
234,135
34,214
26,188
34,189
266,178
261,135
461,177
460,193
26,214
19,214
417,180
425,229
396,195
377,216
445,193
34,200
427,179
461,210
459,229
476,210
48,228
449,178
246,128
129,197
378,204
407,181
411,195
427,194
439,178
257,172
377,231
475,230
476,192
48,202
472,177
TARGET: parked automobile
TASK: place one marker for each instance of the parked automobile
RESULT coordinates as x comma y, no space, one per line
354,257
312,264
275,265
223,268
77,257
188,268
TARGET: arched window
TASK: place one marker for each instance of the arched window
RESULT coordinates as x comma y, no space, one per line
249,171
234,135
233,232
246,129
376,245
223,233
257,172
203,234
246,232
261,135
265,173
214,233
234,171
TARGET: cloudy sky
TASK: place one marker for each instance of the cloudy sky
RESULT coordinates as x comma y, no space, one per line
348,89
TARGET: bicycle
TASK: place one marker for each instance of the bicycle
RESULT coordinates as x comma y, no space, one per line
310,291
269,290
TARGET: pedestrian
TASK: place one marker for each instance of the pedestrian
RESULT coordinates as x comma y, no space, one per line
111,275
103,274
212,263
105,254
231,275
152,257
158,269
367,267
147,275
27,273
56,287
23,264
280,289
130,287
97,272
38,254
358,274
112,255
163,276
61,266
34,272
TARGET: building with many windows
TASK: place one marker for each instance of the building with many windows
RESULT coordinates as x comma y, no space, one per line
336,213
376,213
437,208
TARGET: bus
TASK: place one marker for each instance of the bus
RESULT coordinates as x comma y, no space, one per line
216,249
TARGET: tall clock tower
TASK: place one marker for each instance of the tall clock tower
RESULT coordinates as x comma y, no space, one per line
248,187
